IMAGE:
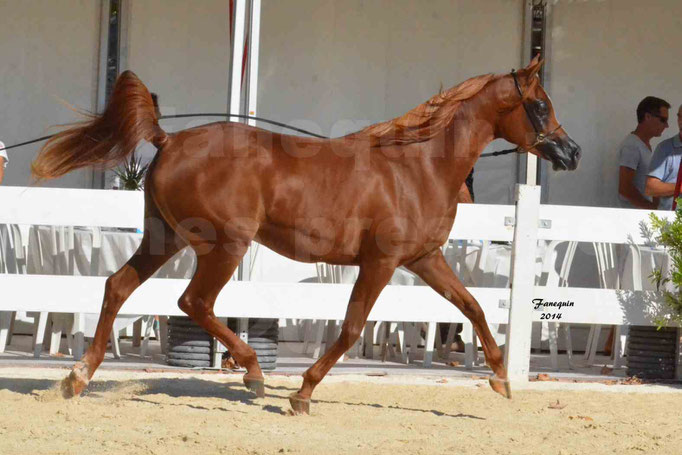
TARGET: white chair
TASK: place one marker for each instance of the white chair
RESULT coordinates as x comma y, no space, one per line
549,277
607,265
60,250
315,329
480,275
621,331
95,260
14,243
476,277
7,265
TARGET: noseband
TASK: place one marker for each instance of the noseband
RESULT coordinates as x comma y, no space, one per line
540,137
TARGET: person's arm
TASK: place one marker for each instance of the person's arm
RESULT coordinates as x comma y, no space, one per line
2,169
660,173
654,187
627,189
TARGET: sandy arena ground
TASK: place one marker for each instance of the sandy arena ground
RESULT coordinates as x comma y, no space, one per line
180,413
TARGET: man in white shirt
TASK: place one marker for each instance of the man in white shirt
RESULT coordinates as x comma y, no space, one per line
3,161
635,153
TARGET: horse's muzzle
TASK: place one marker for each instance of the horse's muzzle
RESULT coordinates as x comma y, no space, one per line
563,153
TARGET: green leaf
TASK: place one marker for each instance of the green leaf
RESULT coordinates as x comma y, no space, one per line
132,174
669,235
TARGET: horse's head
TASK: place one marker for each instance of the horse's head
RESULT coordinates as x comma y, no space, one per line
528,119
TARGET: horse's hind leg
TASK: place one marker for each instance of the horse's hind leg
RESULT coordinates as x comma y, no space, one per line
436,272
158,245
371,280
214,269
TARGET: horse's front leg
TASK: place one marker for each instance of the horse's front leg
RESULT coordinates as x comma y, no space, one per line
371,280
436,272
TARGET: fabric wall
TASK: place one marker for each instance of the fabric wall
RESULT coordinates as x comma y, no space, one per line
181,51
334,67
48,53
606,56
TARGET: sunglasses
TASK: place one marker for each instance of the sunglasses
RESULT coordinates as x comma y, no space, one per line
660,117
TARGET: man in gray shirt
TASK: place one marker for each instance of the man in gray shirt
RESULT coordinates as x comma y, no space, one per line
664,166
635,153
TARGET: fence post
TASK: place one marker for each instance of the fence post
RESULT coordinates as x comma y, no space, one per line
517,352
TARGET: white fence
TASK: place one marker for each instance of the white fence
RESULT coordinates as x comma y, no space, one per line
533,221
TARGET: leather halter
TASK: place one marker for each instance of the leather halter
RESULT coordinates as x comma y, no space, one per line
540,137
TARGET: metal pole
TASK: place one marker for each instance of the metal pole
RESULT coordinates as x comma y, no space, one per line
237,45
254,50
239,26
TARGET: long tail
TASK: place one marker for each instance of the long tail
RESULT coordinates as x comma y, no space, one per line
106,139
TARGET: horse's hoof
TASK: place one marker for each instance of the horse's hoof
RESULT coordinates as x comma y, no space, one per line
501,386
74,384
300,405
256,385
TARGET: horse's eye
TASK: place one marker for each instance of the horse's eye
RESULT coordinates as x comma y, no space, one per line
541,108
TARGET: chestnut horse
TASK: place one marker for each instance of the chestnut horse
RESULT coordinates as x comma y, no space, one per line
380,198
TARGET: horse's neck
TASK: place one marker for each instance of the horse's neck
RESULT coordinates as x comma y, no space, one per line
461,143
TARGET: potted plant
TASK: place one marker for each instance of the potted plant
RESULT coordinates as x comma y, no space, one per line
131,175
652,351
669,235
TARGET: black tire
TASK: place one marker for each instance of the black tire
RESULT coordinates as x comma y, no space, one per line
188,363
642,349
189,336
181,321
190,349
272,336
267,359
188,356
189,345
651,328
651,362
266,353
265,346
187,330
263,341
194,343
264,328
664,342
653,336
648,374
262,323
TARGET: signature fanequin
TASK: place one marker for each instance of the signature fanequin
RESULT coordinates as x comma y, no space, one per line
551,309
540,303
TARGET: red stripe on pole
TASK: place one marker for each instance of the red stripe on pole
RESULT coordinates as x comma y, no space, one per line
245,56
678,183
231,17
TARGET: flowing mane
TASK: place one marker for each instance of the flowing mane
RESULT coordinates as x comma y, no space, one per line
426,120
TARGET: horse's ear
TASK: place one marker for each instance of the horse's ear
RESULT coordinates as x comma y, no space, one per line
533,67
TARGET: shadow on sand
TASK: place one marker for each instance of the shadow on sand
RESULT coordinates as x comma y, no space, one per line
188,388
